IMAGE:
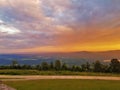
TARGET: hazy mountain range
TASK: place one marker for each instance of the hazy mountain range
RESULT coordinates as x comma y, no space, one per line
69,58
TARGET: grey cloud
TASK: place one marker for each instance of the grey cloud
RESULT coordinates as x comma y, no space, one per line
39,20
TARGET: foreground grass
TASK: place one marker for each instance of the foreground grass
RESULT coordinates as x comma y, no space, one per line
36,72
65,85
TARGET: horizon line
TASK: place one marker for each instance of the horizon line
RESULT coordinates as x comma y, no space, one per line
60,52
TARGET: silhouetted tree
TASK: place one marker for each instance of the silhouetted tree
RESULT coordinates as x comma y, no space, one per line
14,63
87,66
64,66
26,66
83,67
105,68
73,68
58,65
115,66
97,67
38,67
78,68
52,66
44,66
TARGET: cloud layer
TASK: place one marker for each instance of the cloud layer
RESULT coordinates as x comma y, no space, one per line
55,25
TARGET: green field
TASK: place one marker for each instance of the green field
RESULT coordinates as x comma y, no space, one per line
37,72
65,85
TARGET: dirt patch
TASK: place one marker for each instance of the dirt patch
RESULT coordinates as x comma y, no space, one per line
37,77
5,87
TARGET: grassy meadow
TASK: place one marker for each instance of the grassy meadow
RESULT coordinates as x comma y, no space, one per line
65,85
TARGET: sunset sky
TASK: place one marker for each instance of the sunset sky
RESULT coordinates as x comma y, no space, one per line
32,26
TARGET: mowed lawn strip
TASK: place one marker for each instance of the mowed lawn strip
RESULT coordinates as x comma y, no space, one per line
65,85
37,72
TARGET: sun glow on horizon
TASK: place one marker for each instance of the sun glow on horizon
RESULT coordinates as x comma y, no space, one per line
59,26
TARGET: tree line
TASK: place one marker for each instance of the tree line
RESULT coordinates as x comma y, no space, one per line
97,66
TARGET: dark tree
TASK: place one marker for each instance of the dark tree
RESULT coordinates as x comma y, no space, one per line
64,66
87,66
115,66
38,67
44,66
77,68
58,65
97,67
14,63
83,67
105,68
26,66
52,66
73,68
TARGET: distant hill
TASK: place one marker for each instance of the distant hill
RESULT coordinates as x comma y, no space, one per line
85,54
69,58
